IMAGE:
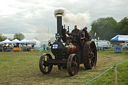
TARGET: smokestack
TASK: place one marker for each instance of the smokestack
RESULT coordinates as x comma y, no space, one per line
59,24
58,14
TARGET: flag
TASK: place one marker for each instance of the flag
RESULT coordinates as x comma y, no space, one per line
95,34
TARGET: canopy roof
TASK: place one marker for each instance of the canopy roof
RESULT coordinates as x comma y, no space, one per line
15,41
34,41
6,41
22,41
120,38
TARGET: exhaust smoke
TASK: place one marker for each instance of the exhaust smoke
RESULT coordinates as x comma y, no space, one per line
59,11
79,19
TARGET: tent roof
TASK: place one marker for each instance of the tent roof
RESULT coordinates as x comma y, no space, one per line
34,41
15,41
24,41
6,41
1,43
120,38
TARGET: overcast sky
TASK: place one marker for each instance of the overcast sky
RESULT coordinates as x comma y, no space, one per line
35,18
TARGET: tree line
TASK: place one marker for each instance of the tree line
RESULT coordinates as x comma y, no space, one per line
107,28
18,36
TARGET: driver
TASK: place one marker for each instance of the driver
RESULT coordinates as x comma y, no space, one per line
75,31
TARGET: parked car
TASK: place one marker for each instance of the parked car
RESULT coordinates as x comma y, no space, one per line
102,44
124,45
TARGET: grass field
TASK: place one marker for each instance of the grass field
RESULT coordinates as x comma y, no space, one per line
21,68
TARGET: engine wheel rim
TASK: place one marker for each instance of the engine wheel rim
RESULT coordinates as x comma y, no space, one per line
92,55
43,65
89,55
73,65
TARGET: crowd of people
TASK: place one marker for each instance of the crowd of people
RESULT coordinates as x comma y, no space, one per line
16,47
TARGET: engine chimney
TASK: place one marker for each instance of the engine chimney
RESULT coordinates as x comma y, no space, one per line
59,24
58,14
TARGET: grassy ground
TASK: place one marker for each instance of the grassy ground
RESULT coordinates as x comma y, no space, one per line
21,68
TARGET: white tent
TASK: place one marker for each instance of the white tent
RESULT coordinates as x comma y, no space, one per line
1,43
24,41
15,41
120,38
34,41
6,41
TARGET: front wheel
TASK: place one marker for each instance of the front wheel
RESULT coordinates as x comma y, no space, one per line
45,68
73,64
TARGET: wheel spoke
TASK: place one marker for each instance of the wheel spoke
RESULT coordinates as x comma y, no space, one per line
92,62
72,69
44,68
93,48
42,62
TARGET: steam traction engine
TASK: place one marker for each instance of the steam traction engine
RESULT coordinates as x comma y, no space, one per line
69,51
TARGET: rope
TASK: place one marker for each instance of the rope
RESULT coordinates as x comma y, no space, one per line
122,62
98,75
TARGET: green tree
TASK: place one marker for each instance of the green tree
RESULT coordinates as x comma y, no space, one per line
2,38
123,26
105,28
19,36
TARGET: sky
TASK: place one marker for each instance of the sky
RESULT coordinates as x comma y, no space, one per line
35,18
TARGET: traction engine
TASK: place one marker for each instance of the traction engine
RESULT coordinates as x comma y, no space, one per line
69,50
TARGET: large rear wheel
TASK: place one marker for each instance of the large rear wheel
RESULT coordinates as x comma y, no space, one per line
45,68
89,55
73,64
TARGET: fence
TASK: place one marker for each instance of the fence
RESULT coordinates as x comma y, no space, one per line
115,67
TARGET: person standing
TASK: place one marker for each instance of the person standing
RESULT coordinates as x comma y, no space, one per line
86,34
